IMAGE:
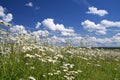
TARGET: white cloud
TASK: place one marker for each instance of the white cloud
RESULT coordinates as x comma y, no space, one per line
54,37
65,33
101,32
49,23
2,11
61,40
30,4
108,23
8,17
100,42
68,33
38,24
18,29
5,17
104,40
58,39
116,38
75,40
54,40
113,41
117,35
43,33
91,27
94,10
100,28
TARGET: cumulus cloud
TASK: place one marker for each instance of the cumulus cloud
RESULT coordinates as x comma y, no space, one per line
30,4
18,29
91,40
94,10
116,38
43,33
2,11
5,17
91,27
8,17
100,42
113,41
49,23
101,27
68,33
117,35
108,23
65,33
38,24
57,39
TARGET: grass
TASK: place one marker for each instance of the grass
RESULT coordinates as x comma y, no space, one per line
64,65
22,57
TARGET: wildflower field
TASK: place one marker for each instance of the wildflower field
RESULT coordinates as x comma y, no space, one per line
23,57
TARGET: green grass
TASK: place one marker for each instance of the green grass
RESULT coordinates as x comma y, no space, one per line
46,65
26,58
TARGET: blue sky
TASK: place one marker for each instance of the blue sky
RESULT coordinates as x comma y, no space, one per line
97,19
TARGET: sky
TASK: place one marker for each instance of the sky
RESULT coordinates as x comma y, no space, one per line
95,21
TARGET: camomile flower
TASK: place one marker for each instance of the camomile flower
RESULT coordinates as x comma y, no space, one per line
32,78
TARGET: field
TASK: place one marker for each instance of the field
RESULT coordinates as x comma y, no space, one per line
60,63
22,57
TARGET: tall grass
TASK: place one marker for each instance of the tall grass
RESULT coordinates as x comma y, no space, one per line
25,58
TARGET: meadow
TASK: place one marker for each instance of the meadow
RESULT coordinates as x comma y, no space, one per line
23,58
